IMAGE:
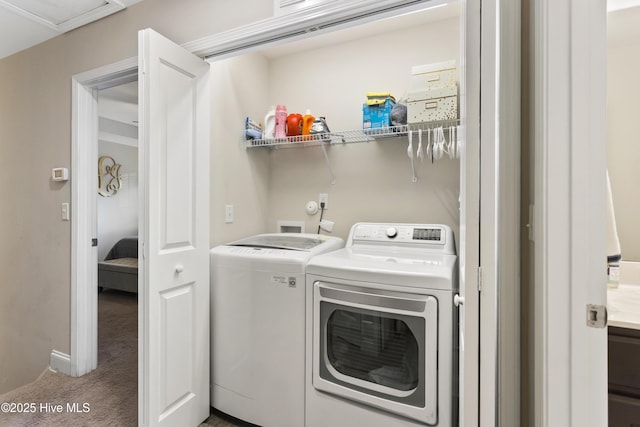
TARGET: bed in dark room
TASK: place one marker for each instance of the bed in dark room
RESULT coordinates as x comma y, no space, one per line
119,270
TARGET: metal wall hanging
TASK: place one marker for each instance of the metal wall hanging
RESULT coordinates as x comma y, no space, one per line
109,178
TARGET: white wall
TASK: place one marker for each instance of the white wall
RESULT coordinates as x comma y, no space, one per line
373,180
118,214
623,131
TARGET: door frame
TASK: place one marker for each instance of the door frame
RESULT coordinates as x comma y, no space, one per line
83,356
569,134
499,235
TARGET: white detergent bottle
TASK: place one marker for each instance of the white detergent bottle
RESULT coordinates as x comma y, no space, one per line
270,123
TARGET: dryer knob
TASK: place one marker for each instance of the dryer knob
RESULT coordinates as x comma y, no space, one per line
391,232
458,300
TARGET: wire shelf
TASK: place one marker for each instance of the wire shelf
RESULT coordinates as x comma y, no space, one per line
346,137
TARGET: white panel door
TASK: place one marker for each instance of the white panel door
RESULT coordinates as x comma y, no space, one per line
174,234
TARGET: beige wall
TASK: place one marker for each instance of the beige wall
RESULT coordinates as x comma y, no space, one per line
35,136
623,128
373,180
238,88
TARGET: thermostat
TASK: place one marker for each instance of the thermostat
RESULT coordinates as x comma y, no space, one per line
60,174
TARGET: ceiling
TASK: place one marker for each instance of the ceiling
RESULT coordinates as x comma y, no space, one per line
118,114
26,23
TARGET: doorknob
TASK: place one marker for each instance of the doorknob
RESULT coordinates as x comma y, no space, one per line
179,268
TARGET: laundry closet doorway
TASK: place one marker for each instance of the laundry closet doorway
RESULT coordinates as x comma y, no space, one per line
468,239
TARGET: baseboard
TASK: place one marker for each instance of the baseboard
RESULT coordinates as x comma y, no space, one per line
60,362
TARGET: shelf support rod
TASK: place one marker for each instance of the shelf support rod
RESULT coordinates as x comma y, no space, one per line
326,158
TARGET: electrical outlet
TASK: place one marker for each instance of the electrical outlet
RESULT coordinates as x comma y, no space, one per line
324,198
228,214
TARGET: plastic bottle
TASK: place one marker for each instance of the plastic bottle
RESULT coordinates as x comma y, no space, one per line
613,271
270,123
294,124
281,122
307,123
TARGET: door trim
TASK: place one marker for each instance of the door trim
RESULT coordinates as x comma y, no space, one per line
569,99
499,372
316,19
84,154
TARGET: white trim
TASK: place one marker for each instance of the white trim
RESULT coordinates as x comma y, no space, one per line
468,255
569,179
317,19
500,214
508,214
60,362
489,182
84,154
589,385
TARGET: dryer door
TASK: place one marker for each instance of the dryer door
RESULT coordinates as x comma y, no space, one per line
378,347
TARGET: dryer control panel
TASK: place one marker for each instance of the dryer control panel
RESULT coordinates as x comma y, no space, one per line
432,236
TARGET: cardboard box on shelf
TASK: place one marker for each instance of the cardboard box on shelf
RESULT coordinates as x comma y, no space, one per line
432,105
433,76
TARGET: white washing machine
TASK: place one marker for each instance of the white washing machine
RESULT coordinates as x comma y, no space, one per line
257,326
381,326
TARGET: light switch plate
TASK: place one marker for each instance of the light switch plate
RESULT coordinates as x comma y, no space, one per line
64,211
228,214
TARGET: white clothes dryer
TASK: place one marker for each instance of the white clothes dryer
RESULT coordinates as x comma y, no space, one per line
257,326
381,328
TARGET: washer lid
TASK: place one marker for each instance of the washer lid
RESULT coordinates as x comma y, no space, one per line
287,241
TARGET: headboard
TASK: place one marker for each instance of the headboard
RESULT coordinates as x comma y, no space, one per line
127,247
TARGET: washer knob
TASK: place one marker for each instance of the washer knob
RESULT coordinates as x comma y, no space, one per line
391,232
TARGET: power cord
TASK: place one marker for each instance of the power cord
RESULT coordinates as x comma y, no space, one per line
321,215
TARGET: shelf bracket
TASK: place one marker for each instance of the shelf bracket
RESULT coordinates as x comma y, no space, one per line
326,159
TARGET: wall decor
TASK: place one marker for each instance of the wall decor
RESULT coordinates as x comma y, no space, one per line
109,178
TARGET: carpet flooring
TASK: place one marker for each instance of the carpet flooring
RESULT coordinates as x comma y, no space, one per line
107,396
